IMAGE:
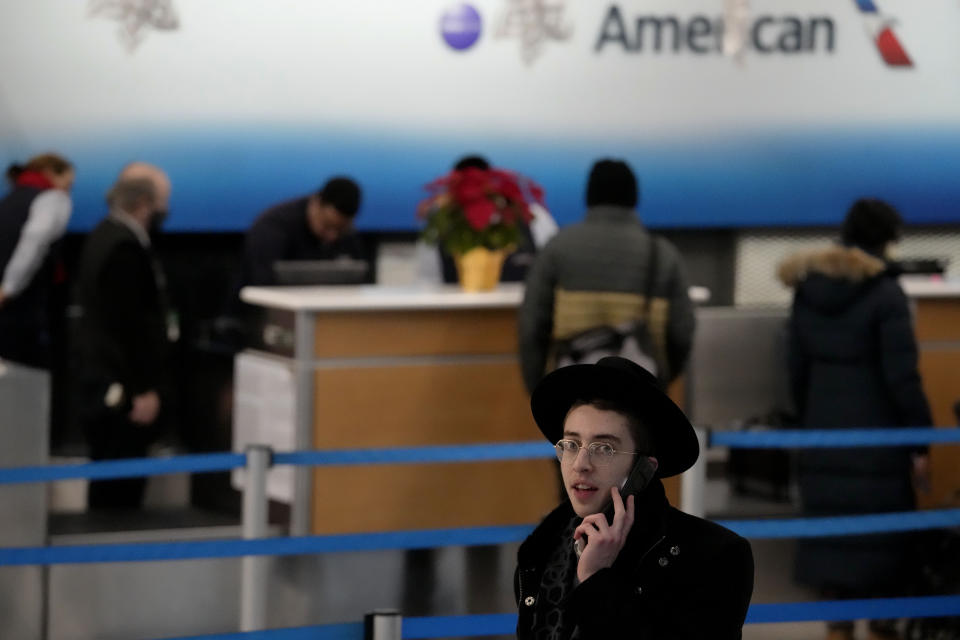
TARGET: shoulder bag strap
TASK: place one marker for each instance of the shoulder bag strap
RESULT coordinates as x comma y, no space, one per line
651,277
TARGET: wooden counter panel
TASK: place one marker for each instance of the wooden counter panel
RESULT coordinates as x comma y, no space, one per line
421,405
944,479
416,333
436,496
938,319
939,368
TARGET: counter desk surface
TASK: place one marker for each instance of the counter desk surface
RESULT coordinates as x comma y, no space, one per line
923,287
408,366
375,298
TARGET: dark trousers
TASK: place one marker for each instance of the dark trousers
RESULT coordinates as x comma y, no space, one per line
23,340
111,436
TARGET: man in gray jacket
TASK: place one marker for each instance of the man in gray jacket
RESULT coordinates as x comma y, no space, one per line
597,272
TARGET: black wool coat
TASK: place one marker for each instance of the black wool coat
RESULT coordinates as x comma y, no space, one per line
853,363
122,335
677,578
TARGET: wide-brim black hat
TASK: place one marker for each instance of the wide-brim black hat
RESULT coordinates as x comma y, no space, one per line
626,383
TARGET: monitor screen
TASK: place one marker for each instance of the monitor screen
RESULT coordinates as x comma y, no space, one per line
320,272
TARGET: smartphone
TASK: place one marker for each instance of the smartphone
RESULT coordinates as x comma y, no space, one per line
636,481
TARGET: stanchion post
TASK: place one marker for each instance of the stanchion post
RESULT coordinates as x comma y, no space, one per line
383,624
253,584
693,483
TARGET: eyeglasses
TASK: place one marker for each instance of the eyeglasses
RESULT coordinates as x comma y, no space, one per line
600,453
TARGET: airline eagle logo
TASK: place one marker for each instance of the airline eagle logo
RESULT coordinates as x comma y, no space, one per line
880,30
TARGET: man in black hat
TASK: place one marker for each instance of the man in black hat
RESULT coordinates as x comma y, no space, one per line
601,567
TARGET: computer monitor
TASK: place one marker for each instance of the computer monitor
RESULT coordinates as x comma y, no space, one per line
921,266
320,272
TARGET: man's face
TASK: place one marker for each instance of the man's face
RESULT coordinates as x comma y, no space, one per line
587,482
159,209
163,193
327,223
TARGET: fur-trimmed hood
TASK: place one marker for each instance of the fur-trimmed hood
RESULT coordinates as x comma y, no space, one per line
831,278
845,263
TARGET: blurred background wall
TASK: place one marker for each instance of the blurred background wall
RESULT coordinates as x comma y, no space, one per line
752,125
246,102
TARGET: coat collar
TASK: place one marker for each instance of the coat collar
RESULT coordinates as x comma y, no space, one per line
606,213
126,220
844,263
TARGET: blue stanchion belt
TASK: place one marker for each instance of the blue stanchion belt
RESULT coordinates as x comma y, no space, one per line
419,455
432,538
200,463
881,608
822,438
133,468
844,525
506,623
152,551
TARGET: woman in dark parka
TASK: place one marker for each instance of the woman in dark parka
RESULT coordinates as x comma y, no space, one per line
853,363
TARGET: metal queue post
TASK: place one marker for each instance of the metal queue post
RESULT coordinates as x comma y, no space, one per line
253,582
693,482
383,624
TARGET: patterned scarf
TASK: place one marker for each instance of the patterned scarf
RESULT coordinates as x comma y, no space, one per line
556,583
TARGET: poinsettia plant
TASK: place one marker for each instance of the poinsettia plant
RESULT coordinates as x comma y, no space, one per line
474,207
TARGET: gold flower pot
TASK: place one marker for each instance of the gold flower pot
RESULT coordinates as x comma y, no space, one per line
479,268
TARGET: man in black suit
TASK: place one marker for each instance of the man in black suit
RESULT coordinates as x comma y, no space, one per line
123,333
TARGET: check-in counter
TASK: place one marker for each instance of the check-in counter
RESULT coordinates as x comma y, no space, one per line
368,366
937,309
405,367
756,339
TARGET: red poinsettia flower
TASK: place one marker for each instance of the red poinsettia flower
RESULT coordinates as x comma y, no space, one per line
508,187
478,208
480,213
470,185
441,183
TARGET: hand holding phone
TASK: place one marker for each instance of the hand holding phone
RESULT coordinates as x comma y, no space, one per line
606,539
636,481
